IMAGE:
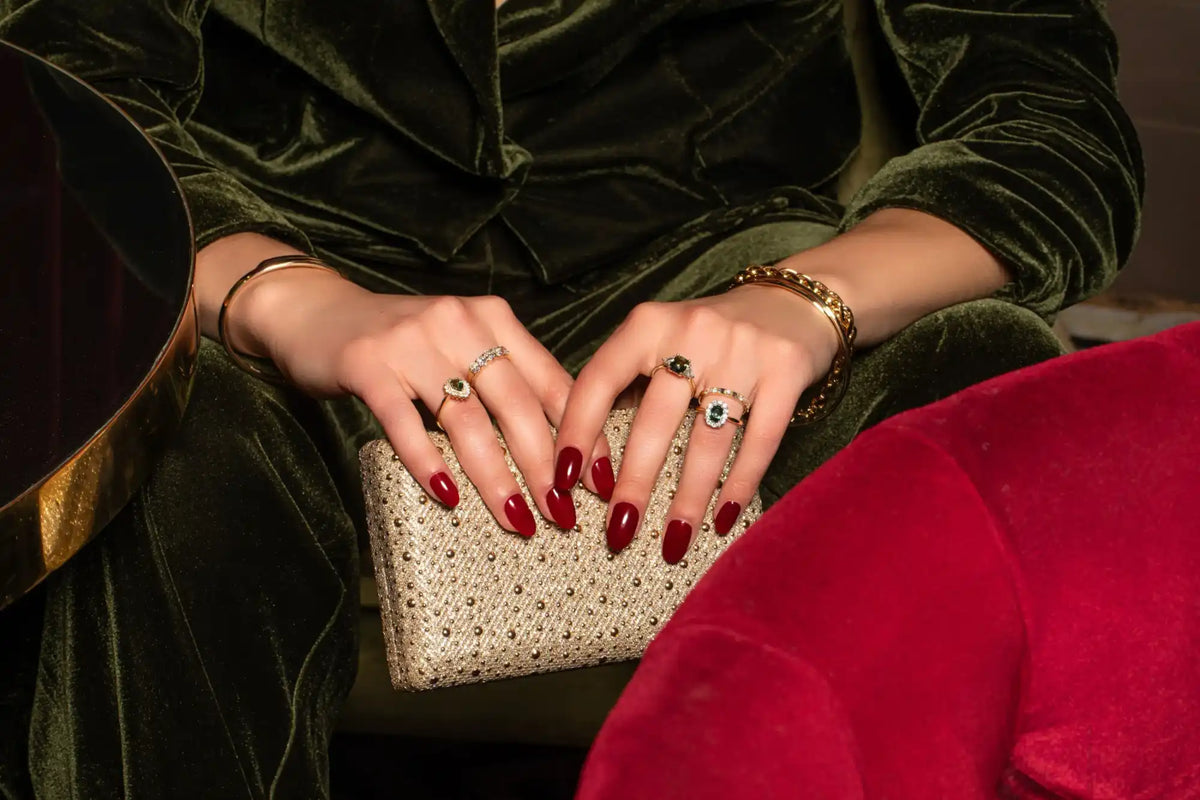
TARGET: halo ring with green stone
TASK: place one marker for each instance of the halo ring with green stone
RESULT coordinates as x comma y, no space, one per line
716,412
456,389
680,367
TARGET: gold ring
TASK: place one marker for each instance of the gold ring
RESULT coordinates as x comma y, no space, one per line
485,358
716,413
456,389
680,367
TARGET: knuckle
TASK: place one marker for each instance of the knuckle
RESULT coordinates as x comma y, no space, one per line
473,440
703,319
781,347
448,310
590,376
556,394
520,408
739,491
636,479
743,333
764,437
688,504
644,313
492,306
711,450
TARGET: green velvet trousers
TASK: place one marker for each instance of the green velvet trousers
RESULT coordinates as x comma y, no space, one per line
202,645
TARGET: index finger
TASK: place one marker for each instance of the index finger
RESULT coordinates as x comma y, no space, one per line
614,366
552,385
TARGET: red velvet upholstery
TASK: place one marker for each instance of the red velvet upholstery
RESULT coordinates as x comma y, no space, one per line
997,595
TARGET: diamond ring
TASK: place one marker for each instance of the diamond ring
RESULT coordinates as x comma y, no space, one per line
485,358
716,412
680,367
456,389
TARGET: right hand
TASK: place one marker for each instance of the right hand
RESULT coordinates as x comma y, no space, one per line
330,336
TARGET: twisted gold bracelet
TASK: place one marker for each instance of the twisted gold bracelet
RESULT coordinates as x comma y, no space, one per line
820,400
261,368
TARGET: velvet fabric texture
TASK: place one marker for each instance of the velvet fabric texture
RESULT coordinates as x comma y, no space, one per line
610,132
994,596
202,645
576,158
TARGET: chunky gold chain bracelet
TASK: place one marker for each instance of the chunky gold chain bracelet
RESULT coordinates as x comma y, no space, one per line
261,368
820,400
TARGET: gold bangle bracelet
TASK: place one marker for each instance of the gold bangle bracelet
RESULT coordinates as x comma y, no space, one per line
261,368
820,400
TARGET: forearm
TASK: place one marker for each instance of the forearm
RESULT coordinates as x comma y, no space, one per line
1021,141
899,265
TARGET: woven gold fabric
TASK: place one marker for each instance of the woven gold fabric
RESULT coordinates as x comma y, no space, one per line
464,601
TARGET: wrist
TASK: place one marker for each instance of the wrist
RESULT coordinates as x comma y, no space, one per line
277,301
222,263
820,337
845,291
898,265
832,350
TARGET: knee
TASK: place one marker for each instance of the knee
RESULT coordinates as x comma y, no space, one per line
945,352
933,358
996,335
237,429
244,460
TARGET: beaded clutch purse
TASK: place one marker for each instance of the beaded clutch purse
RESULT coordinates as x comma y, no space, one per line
464,600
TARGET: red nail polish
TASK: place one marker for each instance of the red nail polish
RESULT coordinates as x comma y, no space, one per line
727,516
519,515
566,472
562,508
621,526
602,477
676,541
444,489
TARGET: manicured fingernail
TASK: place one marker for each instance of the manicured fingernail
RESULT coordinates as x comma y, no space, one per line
444,489
566,471
602,477
621,526
727,516
562,508
676,541
519,515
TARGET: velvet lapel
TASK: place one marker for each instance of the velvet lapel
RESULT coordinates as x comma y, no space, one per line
575,40
426,69
468,28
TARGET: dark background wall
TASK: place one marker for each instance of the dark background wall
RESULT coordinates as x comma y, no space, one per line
1160,85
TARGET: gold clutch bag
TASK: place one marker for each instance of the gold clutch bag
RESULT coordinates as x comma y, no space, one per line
464,601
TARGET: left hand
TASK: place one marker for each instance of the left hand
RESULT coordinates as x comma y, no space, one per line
763,342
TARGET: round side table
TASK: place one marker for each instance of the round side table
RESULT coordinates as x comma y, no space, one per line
98,329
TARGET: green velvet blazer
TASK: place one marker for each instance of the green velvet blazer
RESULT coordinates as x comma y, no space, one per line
593,133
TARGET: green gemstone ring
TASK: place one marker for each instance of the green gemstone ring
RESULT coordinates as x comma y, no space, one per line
456,389
716,412
680,367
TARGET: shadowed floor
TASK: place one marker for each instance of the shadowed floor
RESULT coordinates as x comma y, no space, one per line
371,767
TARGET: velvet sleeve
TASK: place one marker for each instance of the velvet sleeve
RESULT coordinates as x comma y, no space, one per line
147,57
1021,140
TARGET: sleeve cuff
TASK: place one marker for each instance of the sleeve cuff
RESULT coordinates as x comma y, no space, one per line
1000,208
220,206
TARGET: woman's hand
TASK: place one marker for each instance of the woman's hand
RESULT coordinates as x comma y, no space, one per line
763,342
329,337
